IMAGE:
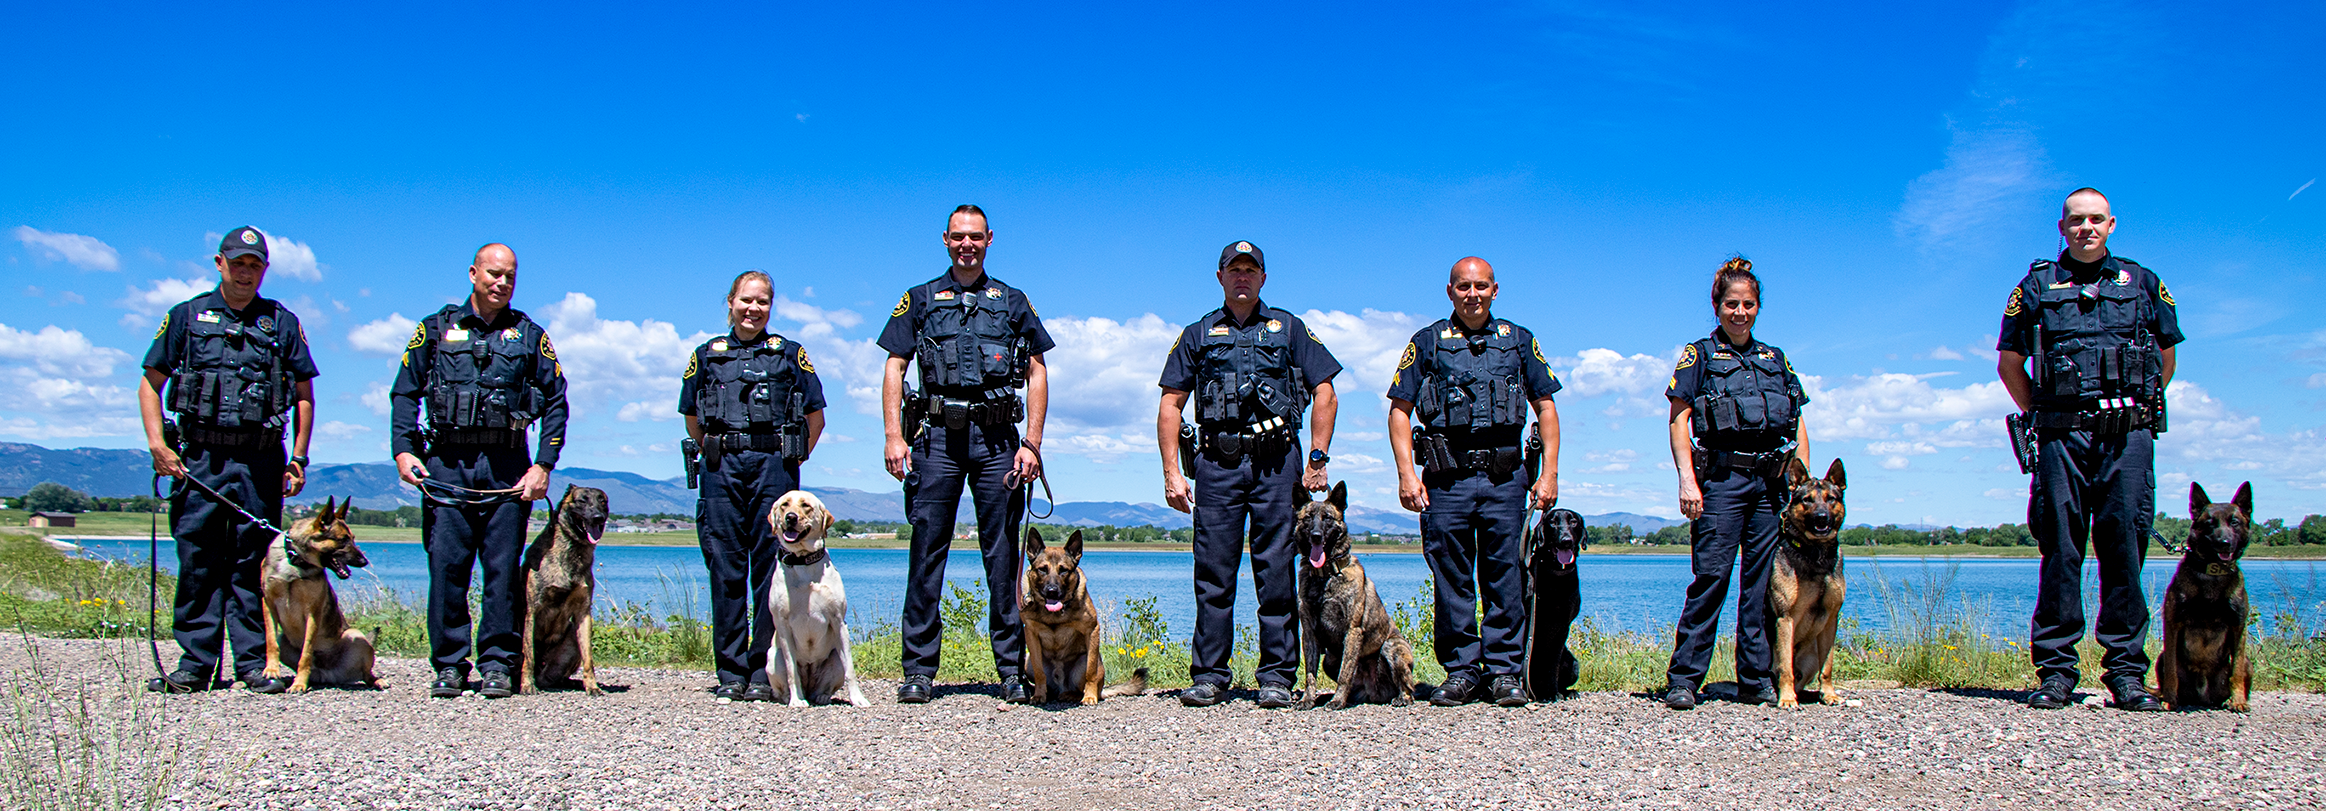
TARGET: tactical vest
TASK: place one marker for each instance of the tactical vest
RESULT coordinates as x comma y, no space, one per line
480,379
1247,373
1743,397
232,374
1474,382
2095,341
966,344
751,389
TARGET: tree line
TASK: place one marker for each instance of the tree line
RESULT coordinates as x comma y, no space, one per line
2311,530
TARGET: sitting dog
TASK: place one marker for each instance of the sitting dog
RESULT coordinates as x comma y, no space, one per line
559,589
810,656
1342,620
302,614
2203,663
1805,584
1554,600
1062,640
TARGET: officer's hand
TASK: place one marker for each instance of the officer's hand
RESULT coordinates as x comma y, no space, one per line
406,464
166,462
899,457
1691,500
1314,478
1028,465
1546,492
534,485
1411,493
1175,492
294,479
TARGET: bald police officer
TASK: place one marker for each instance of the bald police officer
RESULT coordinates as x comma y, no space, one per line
1473,378
1253,371
2100,330
487,373
978,343
237,372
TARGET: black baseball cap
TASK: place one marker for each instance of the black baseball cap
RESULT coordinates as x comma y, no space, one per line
244,241
1235,249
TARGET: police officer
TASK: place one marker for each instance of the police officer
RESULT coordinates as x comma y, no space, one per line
487,372
1735,419
978,343
1253,370
2101,331
755,408
237,369
1474,377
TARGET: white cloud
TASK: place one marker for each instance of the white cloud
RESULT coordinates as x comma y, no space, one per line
1887,406
1943,353
853,369
1901,448
336,431
2006,494
2318,381
147,305
1103,390
375,397
1368,346
387,336
2204,429
84,252
814,321
293,259
1895,463
609,361
54,379
1593,372
1987,171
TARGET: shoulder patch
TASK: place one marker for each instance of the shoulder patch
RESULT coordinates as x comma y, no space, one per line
805,366
1406,361
2017,304
1313,336
903,303
693,361
165,327
549,352
419,335
1538,342
2164,295
1687,357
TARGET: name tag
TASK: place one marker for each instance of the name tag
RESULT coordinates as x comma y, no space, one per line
1217,331
456,334
944,295
207,317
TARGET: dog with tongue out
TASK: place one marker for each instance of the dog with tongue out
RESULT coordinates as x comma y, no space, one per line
1063,647
1343,625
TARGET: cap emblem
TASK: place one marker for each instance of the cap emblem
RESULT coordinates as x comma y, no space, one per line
249,237
1243,247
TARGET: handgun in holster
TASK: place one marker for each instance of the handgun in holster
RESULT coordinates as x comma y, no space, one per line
913,415
1189,446
792,437
1431,452
712,451
1534,452
171,438
691,452
2021,429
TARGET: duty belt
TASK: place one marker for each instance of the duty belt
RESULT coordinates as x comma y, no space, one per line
2128,416
745,441
486,437
1267,436
1496,461
200,435
952,413
1765,463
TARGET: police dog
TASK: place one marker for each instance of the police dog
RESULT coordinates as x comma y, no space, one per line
1342,620
2203,663
810,657
302,615
559,588
1062,639
1805,585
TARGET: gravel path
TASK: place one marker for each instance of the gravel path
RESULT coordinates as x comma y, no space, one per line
661,742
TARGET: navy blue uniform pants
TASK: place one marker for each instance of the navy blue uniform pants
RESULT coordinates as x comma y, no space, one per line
1263,491
219,553
740,551
461,538
2097,492
1474,534
1740,514
944,462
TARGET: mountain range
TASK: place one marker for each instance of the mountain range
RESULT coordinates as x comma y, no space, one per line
120,473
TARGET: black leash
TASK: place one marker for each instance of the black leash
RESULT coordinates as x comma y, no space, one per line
2167,543
153,577
453,495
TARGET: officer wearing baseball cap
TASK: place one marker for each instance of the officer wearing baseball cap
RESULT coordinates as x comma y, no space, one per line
234,367
1252,371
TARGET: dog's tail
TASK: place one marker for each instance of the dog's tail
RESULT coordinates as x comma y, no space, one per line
1136,686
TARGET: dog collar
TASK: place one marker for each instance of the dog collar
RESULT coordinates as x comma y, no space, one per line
809,559
292,555
2219,569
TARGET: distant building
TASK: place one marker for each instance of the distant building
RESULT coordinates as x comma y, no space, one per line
51,519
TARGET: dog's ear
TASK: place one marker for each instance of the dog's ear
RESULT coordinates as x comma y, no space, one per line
2198,501
1033,544
1074,545
822,516
2244,500
1835,475
323,513
1795,471
1302,497
1340,498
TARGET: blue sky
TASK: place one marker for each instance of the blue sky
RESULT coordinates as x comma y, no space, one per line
1890,170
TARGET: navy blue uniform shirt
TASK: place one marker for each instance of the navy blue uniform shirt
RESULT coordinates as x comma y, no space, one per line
2020,311
169,342
412,377
1316,363
903,331
1688,376
1405,383
806,381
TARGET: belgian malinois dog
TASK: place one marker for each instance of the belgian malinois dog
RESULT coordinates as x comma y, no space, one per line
302,612
2203,663
559,587
1342,621
1062,639
1805,585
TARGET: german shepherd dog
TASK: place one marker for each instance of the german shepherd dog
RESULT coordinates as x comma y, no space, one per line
302,614
1062,639
2203,663
1342,620
1805,585
559,587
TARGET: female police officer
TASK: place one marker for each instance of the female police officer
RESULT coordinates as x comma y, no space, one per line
1736,417
754,408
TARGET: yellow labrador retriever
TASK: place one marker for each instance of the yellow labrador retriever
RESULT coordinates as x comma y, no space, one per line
809,658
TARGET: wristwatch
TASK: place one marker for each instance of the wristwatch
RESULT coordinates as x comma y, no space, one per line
1319,457
301,461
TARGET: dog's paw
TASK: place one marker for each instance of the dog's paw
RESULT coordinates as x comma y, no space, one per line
1401,701
2237,706
299,687
1829,698
798,702
1788,702
593,690
1338,703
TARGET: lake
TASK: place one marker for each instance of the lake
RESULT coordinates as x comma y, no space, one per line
1620,592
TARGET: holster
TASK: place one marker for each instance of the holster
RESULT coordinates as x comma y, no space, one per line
171,437
711,451
691,453
1534,452
1431,452
2021,431
913,415
1188,448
